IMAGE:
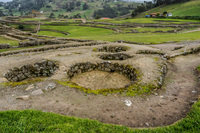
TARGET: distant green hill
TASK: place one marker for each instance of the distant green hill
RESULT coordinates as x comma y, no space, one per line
68,7
191,8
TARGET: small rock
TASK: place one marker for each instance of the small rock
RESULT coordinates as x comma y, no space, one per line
50,86
30,87
128,103
147,124
3,80
37,92
194,92
161,96
26,97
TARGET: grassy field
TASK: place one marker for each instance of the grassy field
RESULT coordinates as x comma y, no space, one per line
8,41
89,33
190,8
36,121
144,20
78,31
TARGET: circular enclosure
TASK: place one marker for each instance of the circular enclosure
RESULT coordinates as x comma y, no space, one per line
102,74
117,56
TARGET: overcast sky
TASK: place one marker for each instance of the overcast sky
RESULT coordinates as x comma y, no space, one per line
5,0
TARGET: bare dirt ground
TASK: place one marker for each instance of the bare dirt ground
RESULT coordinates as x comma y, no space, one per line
166,106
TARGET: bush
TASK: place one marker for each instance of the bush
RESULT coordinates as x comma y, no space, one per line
21,27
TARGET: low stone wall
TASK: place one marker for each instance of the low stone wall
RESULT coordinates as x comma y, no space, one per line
150,52
112,49
65,33
4,46
129,42
17,36
78,68
118,56
43,68
190,51
40,49
40,42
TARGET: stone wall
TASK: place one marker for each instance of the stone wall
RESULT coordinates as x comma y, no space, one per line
40,42
150,52
43,68
118,56
112,49
4,46
126,70
53,47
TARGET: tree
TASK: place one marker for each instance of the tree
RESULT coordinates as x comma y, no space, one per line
85,6
52,15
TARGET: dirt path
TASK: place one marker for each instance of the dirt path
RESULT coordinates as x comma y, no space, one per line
164,107
192,31
11,38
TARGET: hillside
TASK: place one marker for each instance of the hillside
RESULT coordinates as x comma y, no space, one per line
86,8
191,8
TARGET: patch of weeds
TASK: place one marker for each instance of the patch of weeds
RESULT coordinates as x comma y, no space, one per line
132,90
95,49
25,82
77,53
156,59
198,68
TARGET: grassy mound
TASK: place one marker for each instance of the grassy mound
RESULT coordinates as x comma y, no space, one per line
37,121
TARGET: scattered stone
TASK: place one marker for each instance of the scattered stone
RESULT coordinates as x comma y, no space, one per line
3,80
147,124
37,92
194,92
30,87
26,97
128,103
50,86
161,96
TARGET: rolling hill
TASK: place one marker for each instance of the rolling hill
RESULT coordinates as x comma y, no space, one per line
191,8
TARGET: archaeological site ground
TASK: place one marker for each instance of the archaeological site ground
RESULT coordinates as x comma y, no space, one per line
125,75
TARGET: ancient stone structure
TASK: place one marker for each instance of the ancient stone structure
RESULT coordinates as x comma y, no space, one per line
4,46
112,49
40,42
126,70
117,56
43,68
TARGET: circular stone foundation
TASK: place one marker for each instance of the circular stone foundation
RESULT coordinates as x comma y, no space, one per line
117,56
101,80
112,49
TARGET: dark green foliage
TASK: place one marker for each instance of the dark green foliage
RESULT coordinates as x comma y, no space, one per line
52,15
21,27
85,6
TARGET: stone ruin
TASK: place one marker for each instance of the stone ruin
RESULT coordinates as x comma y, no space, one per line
4,46
126,70
117,56
113,49
44,68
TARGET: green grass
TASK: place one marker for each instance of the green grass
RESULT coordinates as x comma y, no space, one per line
143,20
190,8
37,121
8,41
198,68
51,33
89,33
80,31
